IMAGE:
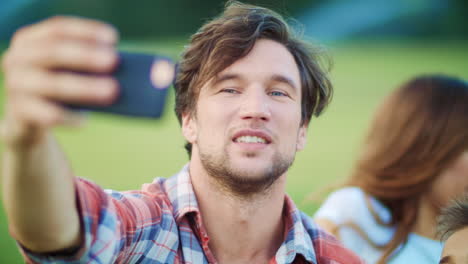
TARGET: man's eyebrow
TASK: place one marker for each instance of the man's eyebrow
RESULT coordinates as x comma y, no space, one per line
225,77
446,260
283,79
275,77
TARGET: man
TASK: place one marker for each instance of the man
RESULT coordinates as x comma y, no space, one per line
453,227
245,92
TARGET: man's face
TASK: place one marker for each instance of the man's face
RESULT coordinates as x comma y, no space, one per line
456,248
247,125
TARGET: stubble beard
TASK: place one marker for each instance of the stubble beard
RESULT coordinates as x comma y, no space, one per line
240,182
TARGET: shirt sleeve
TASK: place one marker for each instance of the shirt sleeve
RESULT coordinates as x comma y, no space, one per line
112,224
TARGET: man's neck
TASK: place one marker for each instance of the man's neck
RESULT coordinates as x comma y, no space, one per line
240,230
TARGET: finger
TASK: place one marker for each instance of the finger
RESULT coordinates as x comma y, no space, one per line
24,123
35,112
68,55
61,27
66,87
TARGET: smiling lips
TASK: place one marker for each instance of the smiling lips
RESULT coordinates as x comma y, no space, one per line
251,137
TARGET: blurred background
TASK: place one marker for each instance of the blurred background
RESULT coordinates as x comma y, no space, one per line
375,45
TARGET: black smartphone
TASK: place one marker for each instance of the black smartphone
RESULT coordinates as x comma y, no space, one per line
141,94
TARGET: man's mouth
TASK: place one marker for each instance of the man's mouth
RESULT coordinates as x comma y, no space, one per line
252,137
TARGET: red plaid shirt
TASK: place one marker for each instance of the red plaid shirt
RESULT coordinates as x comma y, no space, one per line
162,224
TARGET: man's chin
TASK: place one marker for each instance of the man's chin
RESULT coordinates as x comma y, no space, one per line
248,183
245,176
249,179
251,174
252,161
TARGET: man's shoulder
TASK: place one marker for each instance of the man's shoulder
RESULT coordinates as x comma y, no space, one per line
152,196
156,187
327,248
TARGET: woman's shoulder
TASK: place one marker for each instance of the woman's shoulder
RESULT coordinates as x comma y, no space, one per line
351,192
353,211
351,204
342,204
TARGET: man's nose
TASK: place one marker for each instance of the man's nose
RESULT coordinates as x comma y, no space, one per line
255,105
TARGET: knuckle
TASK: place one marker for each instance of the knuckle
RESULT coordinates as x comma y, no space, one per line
6,60
57,19
19,35
10,104
41,84
35,84
56,26
64,85
14,82
52,116
14,106
11,84
47,54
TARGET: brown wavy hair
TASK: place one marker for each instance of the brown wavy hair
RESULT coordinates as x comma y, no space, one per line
231,36
418,131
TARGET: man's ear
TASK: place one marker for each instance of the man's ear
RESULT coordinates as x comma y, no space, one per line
189,128
302,137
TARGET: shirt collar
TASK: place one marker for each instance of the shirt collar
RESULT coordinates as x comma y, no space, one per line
181,194
297,239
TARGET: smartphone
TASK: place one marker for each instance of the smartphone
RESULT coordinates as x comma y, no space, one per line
140,92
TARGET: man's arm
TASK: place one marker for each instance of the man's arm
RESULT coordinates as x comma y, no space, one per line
39,197
38,188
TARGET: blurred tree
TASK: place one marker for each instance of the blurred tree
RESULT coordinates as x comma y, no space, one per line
455,21
149,18
142,18
166,18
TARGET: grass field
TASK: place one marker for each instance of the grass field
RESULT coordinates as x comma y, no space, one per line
123,153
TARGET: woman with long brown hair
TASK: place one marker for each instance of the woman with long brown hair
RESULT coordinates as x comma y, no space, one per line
414,160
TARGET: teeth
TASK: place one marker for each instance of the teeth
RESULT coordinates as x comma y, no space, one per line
250,139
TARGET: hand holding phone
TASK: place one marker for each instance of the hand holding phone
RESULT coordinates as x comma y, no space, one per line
143,83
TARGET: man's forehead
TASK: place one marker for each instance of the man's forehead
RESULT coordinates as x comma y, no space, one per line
270,54
268,59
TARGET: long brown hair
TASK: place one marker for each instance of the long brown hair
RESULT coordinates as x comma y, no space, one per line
418,131
231,36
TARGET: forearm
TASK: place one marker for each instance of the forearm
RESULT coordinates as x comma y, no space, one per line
39,193
39,197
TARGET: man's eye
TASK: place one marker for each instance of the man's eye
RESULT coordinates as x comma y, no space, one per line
229,90
278,93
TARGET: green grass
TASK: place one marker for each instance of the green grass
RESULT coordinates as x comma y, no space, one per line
123,153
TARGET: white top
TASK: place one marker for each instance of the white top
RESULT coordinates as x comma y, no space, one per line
349,205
